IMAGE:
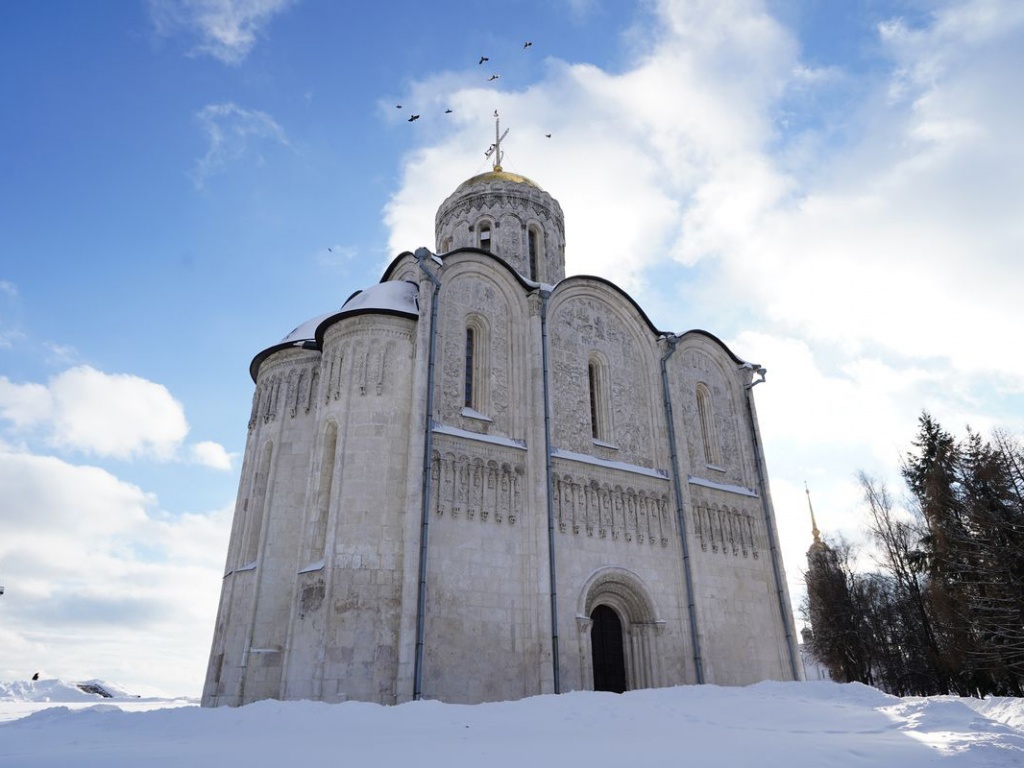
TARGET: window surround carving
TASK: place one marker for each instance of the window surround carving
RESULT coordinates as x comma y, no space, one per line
600,410
534,251
708,433
476,368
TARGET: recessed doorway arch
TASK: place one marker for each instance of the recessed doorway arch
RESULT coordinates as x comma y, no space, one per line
615,604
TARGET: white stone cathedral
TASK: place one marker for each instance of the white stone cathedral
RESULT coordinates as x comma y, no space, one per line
482,480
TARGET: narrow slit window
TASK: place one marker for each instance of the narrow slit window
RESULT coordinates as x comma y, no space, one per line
470,353
707,424
595,426
531,239
485,237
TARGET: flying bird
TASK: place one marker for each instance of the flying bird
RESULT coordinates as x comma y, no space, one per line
527,44
413,117
398,106
493,77
447,111
548,135
483,59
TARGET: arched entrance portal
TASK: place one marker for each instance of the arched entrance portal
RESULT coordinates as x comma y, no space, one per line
618,632
609,654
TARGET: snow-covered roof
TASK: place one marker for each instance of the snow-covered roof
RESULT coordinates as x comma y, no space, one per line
306,331
392,297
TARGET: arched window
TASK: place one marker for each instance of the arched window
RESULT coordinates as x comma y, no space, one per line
484,236
318,533
533,247
446,245
707,424
470,368
600,416
475,368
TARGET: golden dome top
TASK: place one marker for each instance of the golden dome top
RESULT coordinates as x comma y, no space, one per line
497,175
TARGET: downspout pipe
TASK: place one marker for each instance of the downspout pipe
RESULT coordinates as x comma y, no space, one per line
677,485
422,254
769,523
550,488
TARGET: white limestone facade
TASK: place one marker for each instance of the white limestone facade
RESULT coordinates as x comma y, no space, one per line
482,480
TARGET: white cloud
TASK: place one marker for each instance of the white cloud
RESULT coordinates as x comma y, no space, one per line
226,29
212,455
231,130
24,405
9,288
114,415
99,582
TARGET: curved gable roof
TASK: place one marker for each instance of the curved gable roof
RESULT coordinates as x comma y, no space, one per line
392,298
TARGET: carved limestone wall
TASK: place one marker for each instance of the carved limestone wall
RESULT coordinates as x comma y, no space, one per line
699,368
728,529
476,483
286,386
585,506
362,355
581,325
474,297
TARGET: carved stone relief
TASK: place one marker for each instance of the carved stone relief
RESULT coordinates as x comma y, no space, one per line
581,326
727,530
475,488
701,368
476,296
583,506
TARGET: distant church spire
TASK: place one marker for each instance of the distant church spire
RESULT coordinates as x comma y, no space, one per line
814,525
495,148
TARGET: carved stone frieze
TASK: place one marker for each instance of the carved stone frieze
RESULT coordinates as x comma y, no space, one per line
727,530
583,505
475,487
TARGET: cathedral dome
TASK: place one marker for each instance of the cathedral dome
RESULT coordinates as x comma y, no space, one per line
509,215
496,175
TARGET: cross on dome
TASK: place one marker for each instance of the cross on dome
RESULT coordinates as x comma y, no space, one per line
495,148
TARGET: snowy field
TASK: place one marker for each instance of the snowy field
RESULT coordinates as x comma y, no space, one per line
54,724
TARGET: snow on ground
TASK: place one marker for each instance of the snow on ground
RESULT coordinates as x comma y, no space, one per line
767,725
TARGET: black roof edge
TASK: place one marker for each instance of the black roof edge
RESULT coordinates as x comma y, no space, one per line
254,366
321,329
700,332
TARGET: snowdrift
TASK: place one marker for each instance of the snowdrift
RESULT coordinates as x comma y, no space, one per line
769,724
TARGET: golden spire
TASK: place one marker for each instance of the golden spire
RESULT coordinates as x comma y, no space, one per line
814,525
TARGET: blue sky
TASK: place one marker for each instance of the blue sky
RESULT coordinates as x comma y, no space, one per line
832,188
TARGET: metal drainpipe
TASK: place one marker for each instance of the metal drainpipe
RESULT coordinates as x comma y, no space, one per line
422,254
769,527
698,661
550,487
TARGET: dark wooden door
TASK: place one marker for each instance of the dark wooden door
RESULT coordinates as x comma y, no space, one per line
609,658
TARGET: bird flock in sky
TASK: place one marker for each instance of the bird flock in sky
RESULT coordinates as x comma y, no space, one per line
494,76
